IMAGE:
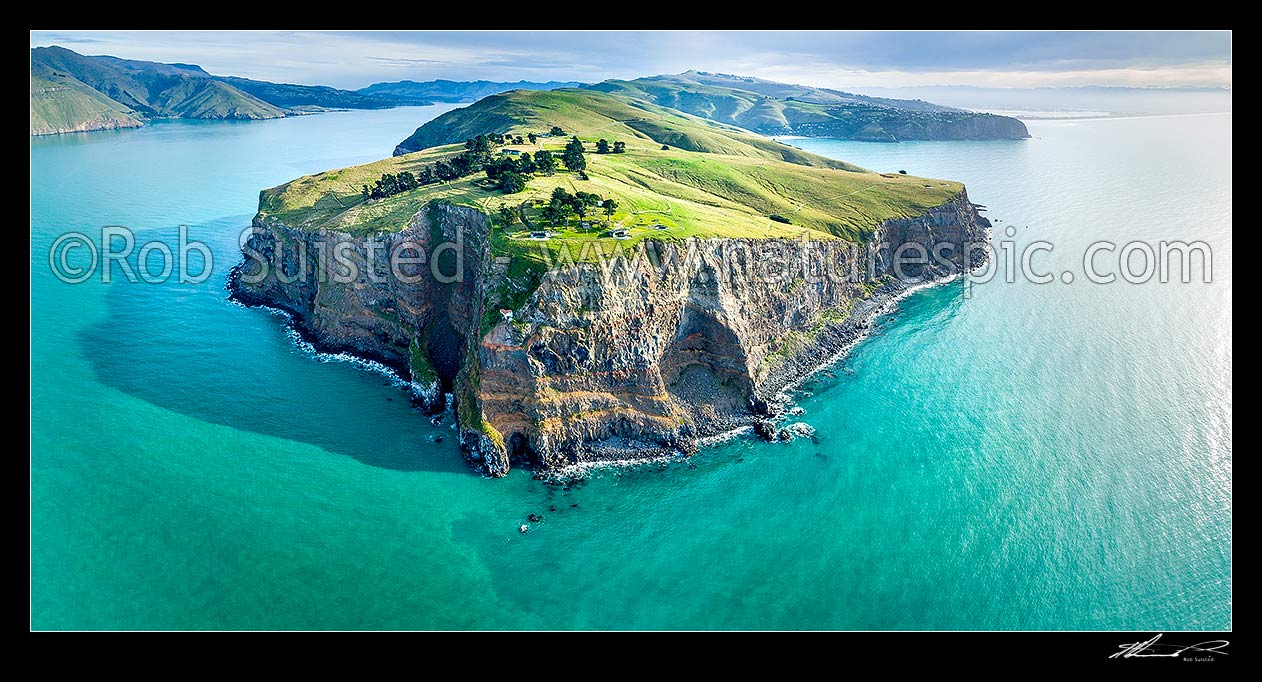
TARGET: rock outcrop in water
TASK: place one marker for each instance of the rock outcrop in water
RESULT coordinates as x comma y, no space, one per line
626,359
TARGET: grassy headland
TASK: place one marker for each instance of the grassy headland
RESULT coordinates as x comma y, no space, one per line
710,180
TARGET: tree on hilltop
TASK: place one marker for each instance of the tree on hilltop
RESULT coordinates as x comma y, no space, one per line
573,157
545,162
512,182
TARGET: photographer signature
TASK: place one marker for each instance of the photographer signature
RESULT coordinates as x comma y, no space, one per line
1152,649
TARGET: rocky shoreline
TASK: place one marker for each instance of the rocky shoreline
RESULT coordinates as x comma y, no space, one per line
773,426
589,372
426,397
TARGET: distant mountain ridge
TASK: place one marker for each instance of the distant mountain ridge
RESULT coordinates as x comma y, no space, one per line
801,93
138,89
71,92
301,97
773,108
455,91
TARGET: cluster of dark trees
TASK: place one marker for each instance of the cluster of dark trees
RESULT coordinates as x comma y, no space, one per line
391,184
509,173
506,214
482,143
440,171
602,147
562,205
475,157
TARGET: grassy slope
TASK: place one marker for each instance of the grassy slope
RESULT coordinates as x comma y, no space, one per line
143,89
205,98
716,104
63,104
749,110
592,115
778,108
694,194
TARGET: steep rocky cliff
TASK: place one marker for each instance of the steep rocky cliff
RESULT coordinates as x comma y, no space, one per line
619,359
350,299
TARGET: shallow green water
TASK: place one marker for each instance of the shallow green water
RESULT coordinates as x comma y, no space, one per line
1020,457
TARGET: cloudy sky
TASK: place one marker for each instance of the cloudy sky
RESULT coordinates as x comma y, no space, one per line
833,59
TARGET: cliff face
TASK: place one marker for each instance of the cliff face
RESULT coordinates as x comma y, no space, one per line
624,359
406,319
977,127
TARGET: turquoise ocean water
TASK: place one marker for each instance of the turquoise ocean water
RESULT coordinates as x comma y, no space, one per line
1010,456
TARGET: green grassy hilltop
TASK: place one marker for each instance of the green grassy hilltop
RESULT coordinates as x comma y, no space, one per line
740,186
591,114
730,186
